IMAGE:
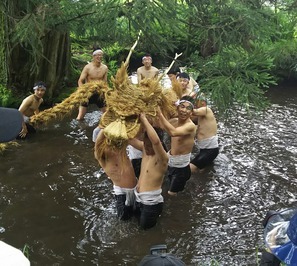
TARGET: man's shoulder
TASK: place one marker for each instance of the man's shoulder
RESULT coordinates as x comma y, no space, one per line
88,66
29,98
190,125
104,66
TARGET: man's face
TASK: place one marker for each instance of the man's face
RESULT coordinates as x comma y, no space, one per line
147,61
184,82
98,57
184,110
39,92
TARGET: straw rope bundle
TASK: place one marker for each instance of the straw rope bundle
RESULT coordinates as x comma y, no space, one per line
59,111
177,89
5,146
168,103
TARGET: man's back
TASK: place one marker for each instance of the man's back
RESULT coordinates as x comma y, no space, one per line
207,124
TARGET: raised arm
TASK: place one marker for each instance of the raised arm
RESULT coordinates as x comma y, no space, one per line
202,111
136,143
152,135
175,131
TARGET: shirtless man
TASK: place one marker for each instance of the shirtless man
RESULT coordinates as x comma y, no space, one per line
182,131
149,200
118,168
184,80
206,136
30,107
147,70
93,71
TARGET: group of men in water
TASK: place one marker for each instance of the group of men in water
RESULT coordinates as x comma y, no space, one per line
138,175
137,180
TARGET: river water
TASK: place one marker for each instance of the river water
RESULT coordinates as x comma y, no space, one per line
56,200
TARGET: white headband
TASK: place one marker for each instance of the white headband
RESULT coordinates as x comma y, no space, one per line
40,86
146,56
97,52
178,102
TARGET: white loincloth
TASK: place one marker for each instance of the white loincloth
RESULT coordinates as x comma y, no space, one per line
95,133
209,143
26,119
179,161
129,192
149,197
134,153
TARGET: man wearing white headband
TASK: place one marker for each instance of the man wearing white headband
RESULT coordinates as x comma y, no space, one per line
182,131
147,70
30,106
93,71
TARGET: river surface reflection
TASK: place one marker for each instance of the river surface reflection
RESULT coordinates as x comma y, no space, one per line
55,199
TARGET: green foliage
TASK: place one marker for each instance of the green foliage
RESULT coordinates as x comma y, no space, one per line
214,25
26,250
64,94
112,69
197,28
6,97
235,76
284,53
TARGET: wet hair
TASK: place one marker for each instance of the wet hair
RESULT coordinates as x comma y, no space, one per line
183,75
173,70
159,132
39,84
201,97
188,99
96,48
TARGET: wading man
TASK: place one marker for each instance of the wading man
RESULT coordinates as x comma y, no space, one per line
182,131
93,71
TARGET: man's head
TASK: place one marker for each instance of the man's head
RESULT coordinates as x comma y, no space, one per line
201,101
184,79
97,55
185,107
39,89
147,61
173,72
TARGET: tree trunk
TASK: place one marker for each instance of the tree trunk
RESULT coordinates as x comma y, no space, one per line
54,68
51,61
3,57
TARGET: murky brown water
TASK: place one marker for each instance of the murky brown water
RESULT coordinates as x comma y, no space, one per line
55,199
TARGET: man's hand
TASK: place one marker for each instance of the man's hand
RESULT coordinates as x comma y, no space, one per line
23,132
